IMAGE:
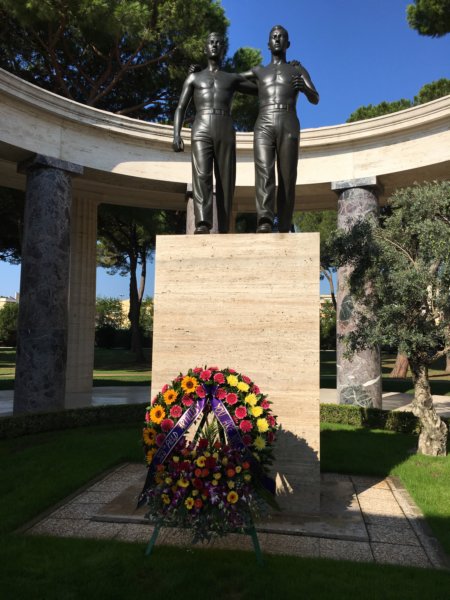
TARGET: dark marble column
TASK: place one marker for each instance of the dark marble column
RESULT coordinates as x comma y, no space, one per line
190,217
358,379
44,284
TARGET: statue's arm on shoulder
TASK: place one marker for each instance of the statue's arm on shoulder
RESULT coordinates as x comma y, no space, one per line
185,97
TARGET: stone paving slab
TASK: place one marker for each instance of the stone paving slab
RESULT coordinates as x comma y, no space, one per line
363,519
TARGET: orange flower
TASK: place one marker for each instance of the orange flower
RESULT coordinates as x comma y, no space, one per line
157,414
170,396
189,384
231,472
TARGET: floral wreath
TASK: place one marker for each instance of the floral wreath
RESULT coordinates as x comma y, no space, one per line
218,481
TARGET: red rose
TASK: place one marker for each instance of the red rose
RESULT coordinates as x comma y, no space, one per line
240,412
246,465
232,399
198,503
245,425
205,472
265,404
198,472
213,368
198,484
205,375
271,420
219,378
231,472
232,371
256,390
197,370
202,443
246,379
200,391
221,394
247,439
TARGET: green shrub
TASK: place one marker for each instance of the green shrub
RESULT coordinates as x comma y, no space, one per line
370,418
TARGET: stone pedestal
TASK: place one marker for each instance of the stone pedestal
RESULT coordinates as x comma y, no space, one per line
44,284
358,379
249,302
80,348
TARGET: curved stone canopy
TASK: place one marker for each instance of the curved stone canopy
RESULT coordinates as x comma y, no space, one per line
127,161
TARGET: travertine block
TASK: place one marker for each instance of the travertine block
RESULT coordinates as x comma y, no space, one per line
249,302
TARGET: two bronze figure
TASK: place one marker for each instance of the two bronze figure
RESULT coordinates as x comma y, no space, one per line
276,133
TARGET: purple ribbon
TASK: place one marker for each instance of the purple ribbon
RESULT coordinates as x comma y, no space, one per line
178,431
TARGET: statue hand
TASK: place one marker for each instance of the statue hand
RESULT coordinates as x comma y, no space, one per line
194,68
294,63
178,144
298,83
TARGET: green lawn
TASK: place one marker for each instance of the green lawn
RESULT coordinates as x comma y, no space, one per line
118,367
37,471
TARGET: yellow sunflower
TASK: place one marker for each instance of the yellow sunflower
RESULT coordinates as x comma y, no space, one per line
149,436
165,498
189,384
201,461
189,503
170,396
232,497
183,482
150,454
157,414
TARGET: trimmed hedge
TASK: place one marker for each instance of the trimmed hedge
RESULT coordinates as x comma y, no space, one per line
370,418
11,427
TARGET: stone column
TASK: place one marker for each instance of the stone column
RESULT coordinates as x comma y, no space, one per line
80,348
190,217
44,284
358,379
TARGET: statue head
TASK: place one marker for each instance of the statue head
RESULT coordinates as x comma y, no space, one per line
278,39
216,45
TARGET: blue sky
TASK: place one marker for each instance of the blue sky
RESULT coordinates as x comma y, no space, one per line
357,51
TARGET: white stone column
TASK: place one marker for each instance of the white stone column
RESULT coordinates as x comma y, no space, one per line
80,348
44,284
359,378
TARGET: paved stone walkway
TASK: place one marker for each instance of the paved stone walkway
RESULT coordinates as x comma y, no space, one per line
362,519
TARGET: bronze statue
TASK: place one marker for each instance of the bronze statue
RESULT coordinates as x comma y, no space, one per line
277,131
213,136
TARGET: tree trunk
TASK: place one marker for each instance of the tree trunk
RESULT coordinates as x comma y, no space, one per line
329,278
447,363
433,434
401,366
134,314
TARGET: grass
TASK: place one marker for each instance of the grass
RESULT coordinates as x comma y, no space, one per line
39,470
117,367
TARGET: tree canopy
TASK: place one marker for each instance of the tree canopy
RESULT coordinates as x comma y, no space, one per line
429,17
427,93
401,281
126,56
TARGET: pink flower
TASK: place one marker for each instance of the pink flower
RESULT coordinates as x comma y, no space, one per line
187,400
197,370
240,412
179,378
166,425
165,388
200,391
246,379
219,378
245,425
271,420
213,368
232,371
147,416
160,439
256,390
205,375
232,399
176,411
221,394
265,404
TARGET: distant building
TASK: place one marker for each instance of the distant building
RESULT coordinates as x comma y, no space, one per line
7,299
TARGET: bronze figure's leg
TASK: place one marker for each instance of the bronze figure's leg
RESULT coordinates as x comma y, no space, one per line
265,153
287,151
202,183
224,170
